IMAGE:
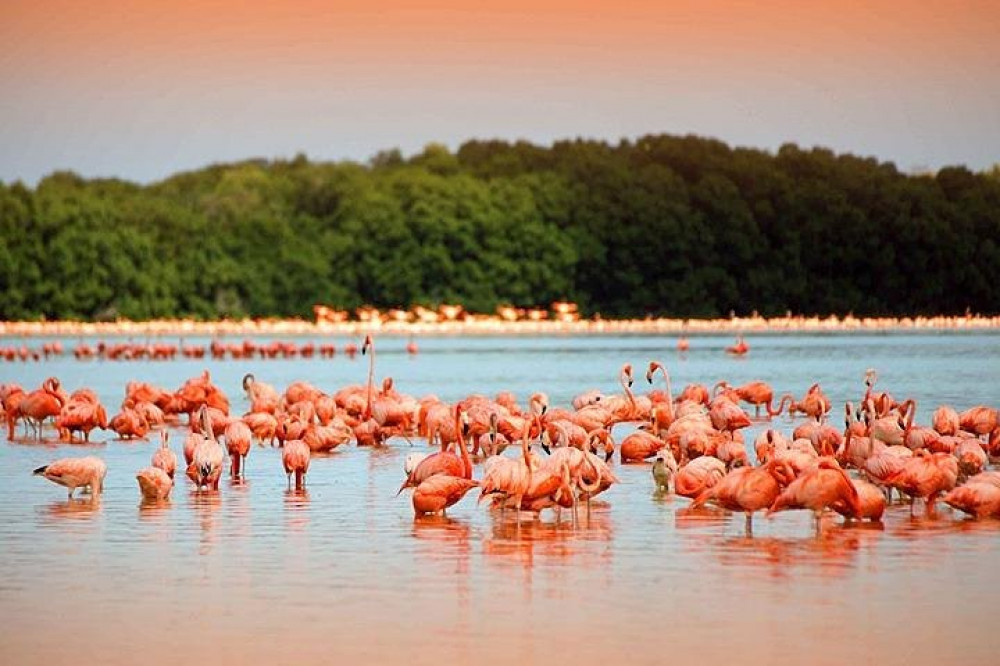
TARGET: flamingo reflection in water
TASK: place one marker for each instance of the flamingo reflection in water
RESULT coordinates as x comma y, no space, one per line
78,508
510,544
297,509
206,507
833,555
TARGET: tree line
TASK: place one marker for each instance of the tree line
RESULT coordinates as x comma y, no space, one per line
661,225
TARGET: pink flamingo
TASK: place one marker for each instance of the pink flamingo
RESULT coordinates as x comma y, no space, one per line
926,475
979,500
154,483
442,462
295,458
41,404
440,491
817,489
209,457
75,473
747,489
163,457
508,477
238,436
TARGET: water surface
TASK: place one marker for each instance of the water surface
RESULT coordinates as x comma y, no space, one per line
259,574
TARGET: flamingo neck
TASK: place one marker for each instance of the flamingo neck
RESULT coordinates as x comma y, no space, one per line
628,391
371,382
460,442
911,411
670,394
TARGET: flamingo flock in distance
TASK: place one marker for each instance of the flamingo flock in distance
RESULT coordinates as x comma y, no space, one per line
565,455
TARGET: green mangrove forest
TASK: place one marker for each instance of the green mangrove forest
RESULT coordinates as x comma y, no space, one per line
662,225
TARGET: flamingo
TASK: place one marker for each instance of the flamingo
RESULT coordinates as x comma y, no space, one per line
727,415
82,415
154,483
508,477
664,469
918,437
663,417
814,403
75,473
440,491
41,404
695,393
209,456
972,459
760,394
295,458
262,397
979,420
442,462
747,489
817,489
323,439
238,436
11,396
946,420
766,444
568,467
740,348
871,503
591,397
163,457
623,408
926,475
264,426
640,445
980,500
129,424
698,475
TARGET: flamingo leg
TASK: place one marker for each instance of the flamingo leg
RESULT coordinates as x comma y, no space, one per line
748,528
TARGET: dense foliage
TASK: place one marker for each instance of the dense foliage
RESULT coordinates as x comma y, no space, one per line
678,226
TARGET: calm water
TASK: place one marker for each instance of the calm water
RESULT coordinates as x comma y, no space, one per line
259,574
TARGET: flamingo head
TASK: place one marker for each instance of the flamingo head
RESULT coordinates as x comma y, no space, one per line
870,377
653,367
538,403
627,373
366,345
248,380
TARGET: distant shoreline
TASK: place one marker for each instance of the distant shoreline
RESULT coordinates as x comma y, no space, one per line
485,326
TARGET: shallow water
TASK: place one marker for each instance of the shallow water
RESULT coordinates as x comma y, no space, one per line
257,573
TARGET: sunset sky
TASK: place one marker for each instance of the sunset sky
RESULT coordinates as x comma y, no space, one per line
170,85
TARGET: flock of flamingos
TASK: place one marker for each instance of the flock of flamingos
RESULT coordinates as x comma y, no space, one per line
694,440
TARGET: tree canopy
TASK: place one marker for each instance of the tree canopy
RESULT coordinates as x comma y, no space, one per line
662,225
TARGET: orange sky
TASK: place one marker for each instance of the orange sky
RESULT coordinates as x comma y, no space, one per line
140,92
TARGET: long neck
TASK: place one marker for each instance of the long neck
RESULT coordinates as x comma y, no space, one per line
628,391
781,405
371,381
206,424
911,411
670,394
466,461
525,439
